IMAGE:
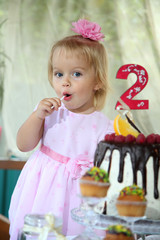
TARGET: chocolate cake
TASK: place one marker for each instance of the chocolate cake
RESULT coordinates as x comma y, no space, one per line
137,152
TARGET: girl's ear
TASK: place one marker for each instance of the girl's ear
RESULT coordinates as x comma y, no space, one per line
97,86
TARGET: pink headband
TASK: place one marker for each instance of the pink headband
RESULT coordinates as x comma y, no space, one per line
88,29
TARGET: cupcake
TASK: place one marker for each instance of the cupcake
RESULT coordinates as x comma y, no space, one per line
118,232
131,202
94,183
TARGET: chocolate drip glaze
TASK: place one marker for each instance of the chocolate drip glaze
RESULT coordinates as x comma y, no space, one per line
139,153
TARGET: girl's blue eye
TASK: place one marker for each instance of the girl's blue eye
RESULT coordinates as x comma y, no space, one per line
59,74
77,74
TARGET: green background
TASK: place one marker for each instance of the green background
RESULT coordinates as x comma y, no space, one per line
8,179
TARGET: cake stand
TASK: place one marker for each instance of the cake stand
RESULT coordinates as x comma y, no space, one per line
129,221
103,221
86,216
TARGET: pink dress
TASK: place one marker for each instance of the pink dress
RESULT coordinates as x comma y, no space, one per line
49,179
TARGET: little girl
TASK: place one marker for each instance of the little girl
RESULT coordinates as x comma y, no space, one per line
68,131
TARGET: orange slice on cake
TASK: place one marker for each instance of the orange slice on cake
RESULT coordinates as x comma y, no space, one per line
123,127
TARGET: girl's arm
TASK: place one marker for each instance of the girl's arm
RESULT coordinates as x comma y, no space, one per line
31,131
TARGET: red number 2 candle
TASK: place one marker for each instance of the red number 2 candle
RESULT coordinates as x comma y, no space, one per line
142,79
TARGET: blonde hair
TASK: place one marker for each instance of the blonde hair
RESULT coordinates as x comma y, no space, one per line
95,54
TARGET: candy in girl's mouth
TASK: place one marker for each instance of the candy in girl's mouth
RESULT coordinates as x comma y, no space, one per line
67,96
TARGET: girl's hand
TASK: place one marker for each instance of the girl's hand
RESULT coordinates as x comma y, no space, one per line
47,106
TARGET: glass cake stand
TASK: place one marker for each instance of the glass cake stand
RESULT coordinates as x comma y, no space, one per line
130,221
138,225
86,216
141,225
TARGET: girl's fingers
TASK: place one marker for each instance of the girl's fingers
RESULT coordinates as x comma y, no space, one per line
47,106
55,103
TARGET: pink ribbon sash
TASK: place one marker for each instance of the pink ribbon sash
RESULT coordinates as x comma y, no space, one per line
76,166
56,156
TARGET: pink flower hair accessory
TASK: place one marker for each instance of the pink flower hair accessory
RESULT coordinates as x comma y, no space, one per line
88,29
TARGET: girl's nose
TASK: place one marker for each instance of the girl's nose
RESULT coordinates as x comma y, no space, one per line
66,82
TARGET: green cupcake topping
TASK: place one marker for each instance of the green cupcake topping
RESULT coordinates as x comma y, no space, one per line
98,174
119,229
133,190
